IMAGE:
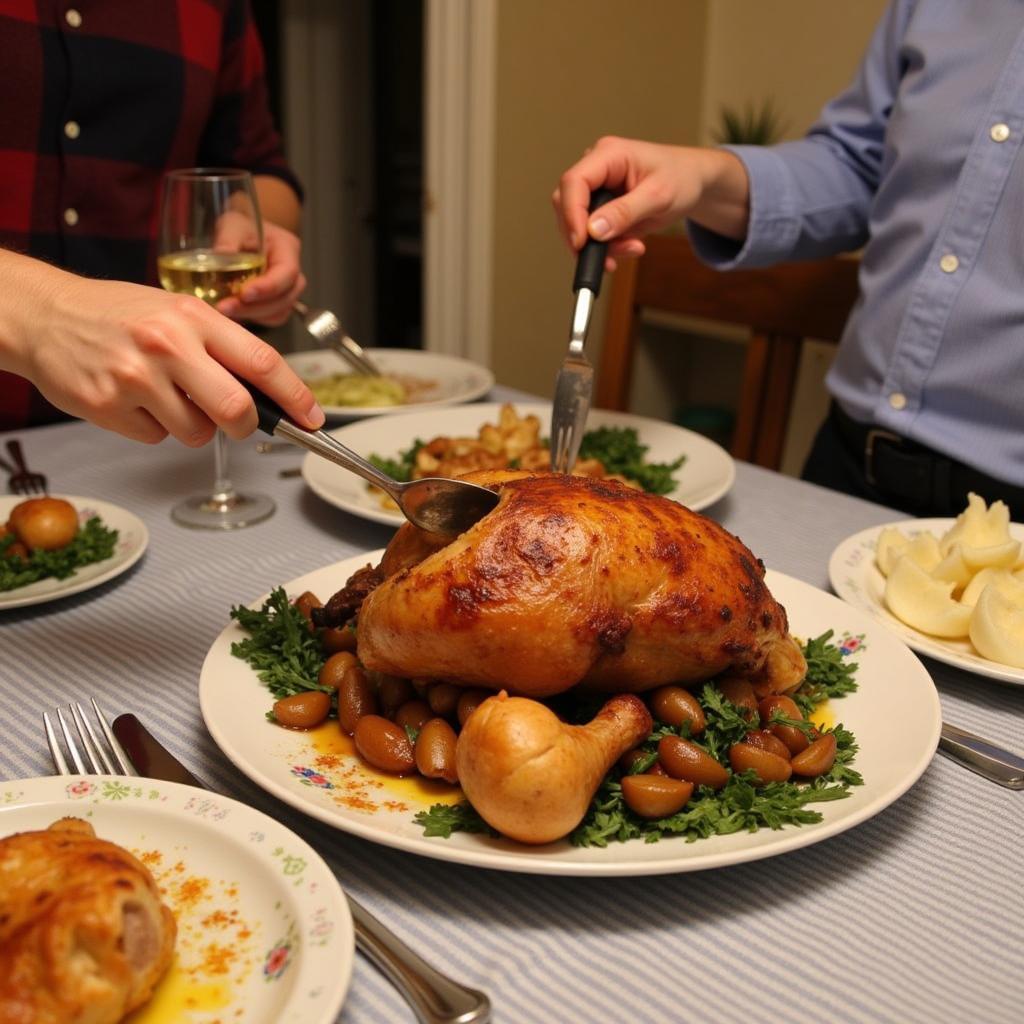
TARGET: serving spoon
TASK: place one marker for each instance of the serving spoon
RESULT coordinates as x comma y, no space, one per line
435,504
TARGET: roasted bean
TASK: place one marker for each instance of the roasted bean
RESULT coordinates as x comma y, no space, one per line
469,701
335,667
394,691
338,638
435,751
673,705
655,796
384,744
356,698
818,758
302,710
740,693
632,757
764,740
305,603
794,739
767,767
685,760
412,714
443,699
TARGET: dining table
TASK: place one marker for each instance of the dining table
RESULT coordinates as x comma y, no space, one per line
914,915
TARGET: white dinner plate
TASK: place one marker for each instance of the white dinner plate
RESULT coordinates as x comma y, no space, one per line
131,543
446,380
856,579
706,475
894,715
264,931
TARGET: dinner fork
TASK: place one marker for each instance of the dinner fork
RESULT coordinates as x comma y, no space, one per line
434,997
326,328
23,480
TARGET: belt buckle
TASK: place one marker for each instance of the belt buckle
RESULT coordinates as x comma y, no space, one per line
875,435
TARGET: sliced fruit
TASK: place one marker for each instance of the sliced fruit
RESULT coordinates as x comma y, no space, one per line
978,526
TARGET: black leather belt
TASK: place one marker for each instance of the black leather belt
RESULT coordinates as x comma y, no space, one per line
918,476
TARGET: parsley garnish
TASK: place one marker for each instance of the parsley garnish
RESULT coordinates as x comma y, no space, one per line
444,819
620,452
94,542
280,647
400,469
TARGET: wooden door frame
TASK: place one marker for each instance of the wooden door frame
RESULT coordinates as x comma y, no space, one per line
460,40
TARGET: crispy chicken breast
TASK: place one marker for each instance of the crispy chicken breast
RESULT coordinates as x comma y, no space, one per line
575,580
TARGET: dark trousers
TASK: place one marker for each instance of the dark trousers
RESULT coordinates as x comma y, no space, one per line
905,475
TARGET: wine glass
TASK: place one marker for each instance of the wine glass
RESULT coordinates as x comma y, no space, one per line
211,244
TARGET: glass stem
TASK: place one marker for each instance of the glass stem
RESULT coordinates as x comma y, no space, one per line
223,490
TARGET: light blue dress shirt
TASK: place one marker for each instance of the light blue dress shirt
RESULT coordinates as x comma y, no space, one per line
918,162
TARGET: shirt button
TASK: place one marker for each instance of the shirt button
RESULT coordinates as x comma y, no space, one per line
71,216
72,130
949,263
73,18
999,132
898,400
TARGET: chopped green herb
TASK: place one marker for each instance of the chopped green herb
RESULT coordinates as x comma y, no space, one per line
400,469
93,543
280,647
829,673
444,819
620,452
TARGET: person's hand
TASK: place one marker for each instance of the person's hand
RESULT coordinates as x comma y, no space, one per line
146,363
659,184
267,299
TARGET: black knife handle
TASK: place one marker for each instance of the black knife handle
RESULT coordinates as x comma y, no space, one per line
590,263
269,412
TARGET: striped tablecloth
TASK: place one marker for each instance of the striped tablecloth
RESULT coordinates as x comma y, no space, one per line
915,915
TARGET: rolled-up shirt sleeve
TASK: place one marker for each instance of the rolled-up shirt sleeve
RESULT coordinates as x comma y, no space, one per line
811,198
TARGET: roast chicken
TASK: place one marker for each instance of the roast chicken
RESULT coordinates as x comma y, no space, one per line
574,580
84,936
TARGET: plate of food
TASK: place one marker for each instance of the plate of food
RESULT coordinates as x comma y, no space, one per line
190,907
953,589
658,457
410,379
58,545
657,693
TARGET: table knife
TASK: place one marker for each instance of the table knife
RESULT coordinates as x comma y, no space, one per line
979,755
434,997
574,384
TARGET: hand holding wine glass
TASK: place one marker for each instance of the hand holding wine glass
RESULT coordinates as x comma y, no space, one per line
211,244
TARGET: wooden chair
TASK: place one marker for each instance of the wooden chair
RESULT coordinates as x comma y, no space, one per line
780,305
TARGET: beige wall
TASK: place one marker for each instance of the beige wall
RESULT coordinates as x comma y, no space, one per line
569,71
798,52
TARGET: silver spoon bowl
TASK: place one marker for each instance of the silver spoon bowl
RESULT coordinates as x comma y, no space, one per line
434,504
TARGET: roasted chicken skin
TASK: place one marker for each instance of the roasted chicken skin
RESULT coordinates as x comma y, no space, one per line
84,937
575,580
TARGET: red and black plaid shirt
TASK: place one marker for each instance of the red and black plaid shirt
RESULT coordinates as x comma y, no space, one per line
98,98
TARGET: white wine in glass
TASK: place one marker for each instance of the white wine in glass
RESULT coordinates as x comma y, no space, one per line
211,244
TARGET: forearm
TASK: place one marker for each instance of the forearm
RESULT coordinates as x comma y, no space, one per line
724,203
29,289
278,203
